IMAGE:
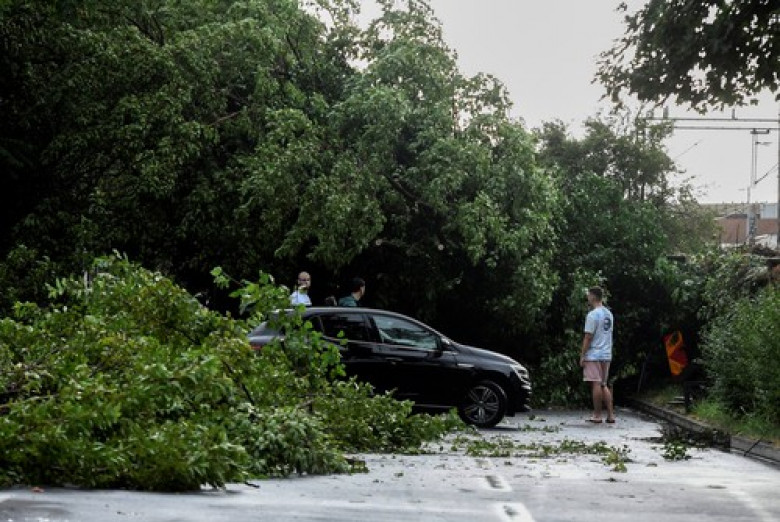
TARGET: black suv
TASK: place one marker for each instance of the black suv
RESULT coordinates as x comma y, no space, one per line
396,353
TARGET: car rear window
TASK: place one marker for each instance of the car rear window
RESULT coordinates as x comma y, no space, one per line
353,326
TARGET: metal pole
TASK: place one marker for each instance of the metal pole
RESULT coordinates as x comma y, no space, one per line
751,215
749,210
734,119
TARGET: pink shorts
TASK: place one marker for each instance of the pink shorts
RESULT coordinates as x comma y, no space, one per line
595,371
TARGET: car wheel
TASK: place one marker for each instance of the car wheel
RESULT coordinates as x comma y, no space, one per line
484,405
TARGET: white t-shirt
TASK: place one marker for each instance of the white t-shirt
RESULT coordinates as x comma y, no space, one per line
299,297
599,323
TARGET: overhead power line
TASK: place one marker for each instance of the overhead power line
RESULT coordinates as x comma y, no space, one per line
767,173
686,151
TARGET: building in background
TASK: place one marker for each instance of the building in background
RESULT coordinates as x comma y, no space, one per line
732,221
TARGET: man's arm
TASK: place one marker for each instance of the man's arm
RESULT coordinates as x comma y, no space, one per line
586,339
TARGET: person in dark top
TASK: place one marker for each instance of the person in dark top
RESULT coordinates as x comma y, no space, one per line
357,289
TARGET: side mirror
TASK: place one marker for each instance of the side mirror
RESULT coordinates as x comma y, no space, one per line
445,343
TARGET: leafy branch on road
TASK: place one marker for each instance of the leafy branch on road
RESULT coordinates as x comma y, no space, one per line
477,445
137,385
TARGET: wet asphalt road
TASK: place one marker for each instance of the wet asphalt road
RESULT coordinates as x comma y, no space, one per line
547,474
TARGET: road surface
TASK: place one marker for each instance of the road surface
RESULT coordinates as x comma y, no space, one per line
546,466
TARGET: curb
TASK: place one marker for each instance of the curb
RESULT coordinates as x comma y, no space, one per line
757,449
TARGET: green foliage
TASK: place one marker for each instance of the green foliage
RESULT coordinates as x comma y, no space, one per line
614,191
244,134
383,424
417,190
690,227
23,276
617,458
558,377
253,134
628,150
705,53
704,286
479,446
129,382
142,147
109,386
748,424
557,373
740,348
289,440
699,296
729,277
675,450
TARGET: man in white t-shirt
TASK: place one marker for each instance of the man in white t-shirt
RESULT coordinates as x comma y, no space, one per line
596,354
301,295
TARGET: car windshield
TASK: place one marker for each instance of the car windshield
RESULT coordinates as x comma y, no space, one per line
265,329
397,331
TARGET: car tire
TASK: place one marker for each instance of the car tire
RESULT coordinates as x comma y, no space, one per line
484,405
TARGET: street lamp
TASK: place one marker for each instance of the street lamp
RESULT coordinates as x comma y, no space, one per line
751,215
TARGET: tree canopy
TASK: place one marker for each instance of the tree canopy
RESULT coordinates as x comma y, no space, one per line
258,135
253,134
706,53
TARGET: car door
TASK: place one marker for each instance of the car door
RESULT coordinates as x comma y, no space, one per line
420,366
356,339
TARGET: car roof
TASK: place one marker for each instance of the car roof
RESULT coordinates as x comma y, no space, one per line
311,310
343,309
315,310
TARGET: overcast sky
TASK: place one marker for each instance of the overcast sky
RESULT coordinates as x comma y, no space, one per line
545,53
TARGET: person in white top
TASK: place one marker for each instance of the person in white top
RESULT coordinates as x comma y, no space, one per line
596,354
301,295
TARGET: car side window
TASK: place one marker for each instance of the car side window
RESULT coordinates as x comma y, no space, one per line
396,331
353,326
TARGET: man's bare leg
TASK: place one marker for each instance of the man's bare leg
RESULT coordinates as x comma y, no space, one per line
606,395
598,399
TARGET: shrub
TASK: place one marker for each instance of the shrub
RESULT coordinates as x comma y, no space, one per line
741,349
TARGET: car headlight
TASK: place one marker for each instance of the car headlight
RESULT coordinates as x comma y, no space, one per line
520,370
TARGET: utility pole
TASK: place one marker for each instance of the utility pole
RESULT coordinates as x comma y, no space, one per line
760,126
750,213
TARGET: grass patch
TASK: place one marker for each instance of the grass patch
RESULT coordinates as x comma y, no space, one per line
665,397
751,426
712,413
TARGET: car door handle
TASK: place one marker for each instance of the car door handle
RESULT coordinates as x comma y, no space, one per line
393,359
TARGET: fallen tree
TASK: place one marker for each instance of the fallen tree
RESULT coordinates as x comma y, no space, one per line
128,381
